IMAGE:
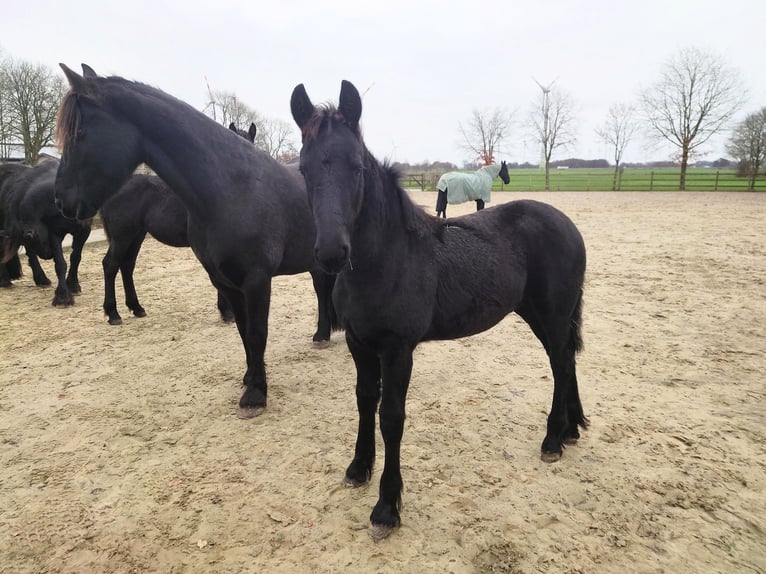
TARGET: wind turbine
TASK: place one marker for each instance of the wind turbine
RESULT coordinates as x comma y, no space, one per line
544,140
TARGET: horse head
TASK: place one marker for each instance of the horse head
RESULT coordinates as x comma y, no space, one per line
248,135
503,175
100,150
332,163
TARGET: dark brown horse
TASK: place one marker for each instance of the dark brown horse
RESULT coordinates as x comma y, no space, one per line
405,276
248,218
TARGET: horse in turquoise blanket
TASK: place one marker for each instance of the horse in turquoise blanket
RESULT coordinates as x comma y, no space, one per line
457,187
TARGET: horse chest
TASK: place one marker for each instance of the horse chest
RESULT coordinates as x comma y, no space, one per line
372,307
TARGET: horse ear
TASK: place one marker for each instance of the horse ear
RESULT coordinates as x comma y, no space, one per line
301,106
76,82
251,132
88,72
350,103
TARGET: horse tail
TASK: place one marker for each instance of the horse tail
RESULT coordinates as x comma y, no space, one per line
13,267
575,326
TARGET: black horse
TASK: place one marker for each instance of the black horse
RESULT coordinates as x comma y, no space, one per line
30,219
145,204
248,218
405,276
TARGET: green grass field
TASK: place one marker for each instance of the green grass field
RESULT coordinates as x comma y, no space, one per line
644,179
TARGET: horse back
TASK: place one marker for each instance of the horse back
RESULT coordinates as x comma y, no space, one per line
490,262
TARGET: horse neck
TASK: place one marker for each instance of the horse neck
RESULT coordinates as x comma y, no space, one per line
183,147
493,170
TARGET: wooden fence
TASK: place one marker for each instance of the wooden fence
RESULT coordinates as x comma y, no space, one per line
697,179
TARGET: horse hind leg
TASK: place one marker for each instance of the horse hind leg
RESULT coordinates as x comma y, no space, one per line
560,335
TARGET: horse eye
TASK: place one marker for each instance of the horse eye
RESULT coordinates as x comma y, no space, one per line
80,134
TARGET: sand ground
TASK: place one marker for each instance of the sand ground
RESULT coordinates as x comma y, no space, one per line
121,451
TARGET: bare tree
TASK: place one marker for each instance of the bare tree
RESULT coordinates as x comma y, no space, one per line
617,131
552,123
31,95
272,136
694,99
485,132
748,145
275,138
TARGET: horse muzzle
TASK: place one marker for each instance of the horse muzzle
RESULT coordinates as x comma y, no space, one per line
335,259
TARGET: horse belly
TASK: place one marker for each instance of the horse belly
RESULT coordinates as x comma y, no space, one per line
469,303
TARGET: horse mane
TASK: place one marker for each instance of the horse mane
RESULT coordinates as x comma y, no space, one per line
68,116
67,120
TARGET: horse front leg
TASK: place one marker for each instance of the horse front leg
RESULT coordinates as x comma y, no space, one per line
257,298
110,266
127,264
78,242
38,275
63,297
367,398
323,286
396,369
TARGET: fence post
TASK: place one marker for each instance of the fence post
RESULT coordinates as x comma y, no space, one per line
651,181
716,180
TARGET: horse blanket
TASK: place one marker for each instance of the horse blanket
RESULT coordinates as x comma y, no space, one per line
462,187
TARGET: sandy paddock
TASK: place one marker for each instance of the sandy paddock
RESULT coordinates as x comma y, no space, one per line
121,451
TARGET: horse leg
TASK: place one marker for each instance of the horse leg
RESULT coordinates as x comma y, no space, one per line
127,267
225,308
39,276
78,242
5,277
62,297
111,266
441,203
257,299
479,204
367,398
560,337
323,286
396,369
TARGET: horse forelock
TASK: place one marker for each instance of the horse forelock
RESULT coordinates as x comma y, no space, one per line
326,117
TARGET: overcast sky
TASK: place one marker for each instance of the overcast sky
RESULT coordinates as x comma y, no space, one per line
423,66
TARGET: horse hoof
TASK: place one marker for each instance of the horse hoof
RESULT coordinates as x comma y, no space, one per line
550,456
351,483
250,412
115,321
140,313
379,531
321,344
63,302
570,440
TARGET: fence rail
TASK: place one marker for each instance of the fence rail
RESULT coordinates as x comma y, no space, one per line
697,179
